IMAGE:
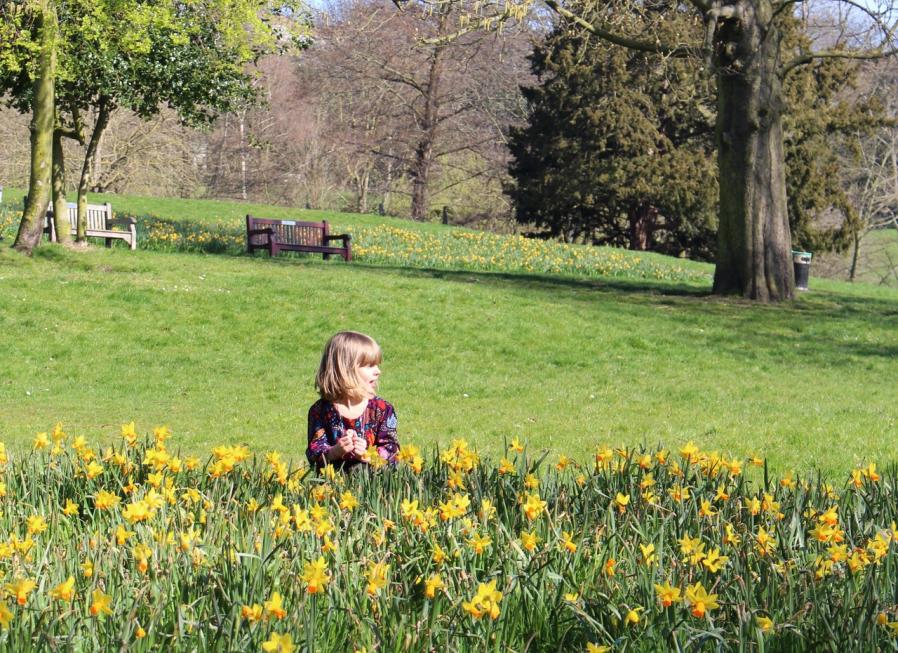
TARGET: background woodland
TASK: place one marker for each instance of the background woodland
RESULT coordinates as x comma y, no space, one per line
389,112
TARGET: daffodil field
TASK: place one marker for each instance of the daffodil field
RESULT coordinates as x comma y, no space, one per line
135,547
449,249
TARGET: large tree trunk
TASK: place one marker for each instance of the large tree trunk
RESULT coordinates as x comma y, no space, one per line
754,243
60,207
104,111
43,115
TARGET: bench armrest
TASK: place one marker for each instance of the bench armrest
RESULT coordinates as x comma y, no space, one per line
344,237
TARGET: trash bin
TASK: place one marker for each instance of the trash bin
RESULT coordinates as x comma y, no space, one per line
801,262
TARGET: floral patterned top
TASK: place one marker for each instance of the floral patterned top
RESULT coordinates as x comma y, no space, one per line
377,424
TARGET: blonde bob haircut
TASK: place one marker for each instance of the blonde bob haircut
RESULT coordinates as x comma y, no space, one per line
338,376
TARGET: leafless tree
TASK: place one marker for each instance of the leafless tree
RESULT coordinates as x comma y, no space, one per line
408,101
874,176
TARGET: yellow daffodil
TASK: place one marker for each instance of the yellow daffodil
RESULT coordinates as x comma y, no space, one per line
315,576
700,602
533,506
621,501
506,467
713,561
36,525
667,594
480,543
529,540
100,603
279,644
41,441
106,500
431,585
20,589
485,602
648,553
764,623
376,574
64,591
252,613
274,606
6,615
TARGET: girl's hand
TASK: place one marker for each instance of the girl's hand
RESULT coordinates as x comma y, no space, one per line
359,445
344,448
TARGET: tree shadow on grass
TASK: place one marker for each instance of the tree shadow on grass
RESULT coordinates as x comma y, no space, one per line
820,328
823,327
549,282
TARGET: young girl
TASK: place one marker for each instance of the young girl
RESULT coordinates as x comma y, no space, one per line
350,417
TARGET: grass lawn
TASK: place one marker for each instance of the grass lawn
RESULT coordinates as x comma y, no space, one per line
224,348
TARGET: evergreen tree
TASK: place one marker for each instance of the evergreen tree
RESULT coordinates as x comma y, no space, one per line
618,148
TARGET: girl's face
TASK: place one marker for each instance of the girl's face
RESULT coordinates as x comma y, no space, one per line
369,375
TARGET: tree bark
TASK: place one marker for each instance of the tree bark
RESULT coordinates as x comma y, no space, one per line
642,225
388,185
104,111
362,181
754,242
854,256
242,118
423,162
43,116
60,206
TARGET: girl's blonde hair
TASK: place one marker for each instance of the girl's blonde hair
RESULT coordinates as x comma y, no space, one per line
343,355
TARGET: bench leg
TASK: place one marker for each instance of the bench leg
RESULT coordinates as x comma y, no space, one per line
327,257
109,242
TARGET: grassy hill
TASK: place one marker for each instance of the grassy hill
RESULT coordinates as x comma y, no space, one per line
565,355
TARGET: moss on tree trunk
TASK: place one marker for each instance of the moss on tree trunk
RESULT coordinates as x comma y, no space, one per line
60,206
42,122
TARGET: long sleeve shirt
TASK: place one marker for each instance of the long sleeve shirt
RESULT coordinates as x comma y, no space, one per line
377,424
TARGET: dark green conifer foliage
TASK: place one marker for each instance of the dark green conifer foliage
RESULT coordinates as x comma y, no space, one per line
619,147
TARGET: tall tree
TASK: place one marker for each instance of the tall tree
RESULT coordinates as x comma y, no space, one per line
411,98
741,46
618,147
29,49
191,56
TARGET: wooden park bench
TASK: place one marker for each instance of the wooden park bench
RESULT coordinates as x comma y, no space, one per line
277,236
100,224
